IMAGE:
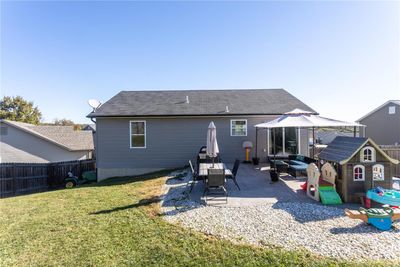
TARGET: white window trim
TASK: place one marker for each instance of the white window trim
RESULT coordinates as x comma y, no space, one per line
363,173
373,154
383,172
392,110
130,135
230,130
270,144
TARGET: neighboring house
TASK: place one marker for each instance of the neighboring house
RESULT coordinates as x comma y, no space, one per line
89,127
27,143
143,131
361,165
327,136
383,123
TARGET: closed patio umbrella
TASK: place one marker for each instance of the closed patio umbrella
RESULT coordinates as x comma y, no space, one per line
212,144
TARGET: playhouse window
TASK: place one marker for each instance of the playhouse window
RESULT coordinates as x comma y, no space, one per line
359,173
368,154
378,173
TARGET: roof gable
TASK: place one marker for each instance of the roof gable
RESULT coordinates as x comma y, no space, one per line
396,102
344,148
200,103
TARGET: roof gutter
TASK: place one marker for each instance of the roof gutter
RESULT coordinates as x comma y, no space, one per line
91,115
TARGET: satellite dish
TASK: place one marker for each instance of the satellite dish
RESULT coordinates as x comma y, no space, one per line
94,103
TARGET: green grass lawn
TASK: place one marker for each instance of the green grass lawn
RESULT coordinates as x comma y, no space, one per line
118,223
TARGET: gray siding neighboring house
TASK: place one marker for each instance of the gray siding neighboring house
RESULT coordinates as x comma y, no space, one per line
383,123
325,137
175,126
27,143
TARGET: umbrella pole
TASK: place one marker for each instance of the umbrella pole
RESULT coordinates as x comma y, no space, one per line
313,142
256,140
274,150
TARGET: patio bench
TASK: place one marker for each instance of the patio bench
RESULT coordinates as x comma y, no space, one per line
298,165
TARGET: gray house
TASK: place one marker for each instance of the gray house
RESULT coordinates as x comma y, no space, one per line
383,123
27,143
143,131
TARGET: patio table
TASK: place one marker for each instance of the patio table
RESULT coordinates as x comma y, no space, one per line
203,169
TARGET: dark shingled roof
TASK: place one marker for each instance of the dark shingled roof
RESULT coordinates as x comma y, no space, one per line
201,103
342,148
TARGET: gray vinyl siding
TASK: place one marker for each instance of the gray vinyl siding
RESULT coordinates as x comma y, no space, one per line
23,147
382,127
171,142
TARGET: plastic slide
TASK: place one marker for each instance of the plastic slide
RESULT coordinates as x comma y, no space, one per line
329,196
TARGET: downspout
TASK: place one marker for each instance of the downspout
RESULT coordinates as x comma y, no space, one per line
95,146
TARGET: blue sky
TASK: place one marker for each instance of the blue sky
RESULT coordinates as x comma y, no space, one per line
341,58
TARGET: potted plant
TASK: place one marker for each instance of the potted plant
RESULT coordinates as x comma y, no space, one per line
256,160
274,175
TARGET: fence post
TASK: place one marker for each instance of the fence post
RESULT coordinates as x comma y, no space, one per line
80,168
14,176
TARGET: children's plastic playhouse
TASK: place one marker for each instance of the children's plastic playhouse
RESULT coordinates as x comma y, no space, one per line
321,186
360,165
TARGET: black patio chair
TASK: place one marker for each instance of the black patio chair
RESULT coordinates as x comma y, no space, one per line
234,172
215,184
203,149
194,176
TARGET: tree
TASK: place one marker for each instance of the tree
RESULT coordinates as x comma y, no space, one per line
63,122
66,122
18,109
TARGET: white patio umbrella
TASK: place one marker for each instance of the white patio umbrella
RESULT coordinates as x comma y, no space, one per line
212,144
305,119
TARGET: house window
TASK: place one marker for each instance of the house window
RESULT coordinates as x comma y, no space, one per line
138,134
238,127
392,110
378,172
368,154
359,173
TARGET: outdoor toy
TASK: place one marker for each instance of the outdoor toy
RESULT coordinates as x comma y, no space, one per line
360,165
72,180
384,196
321,187
247,145
380,218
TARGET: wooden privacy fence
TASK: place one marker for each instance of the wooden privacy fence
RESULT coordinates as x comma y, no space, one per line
25,178
393,152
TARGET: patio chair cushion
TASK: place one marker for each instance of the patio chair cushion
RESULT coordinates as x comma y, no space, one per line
296,162
279,162
301,167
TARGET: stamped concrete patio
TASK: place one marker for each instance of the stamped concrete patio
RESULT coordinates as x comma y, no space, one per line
256,188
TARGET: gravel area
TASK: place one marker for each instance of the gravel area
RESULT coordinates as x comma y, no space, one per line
323,230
